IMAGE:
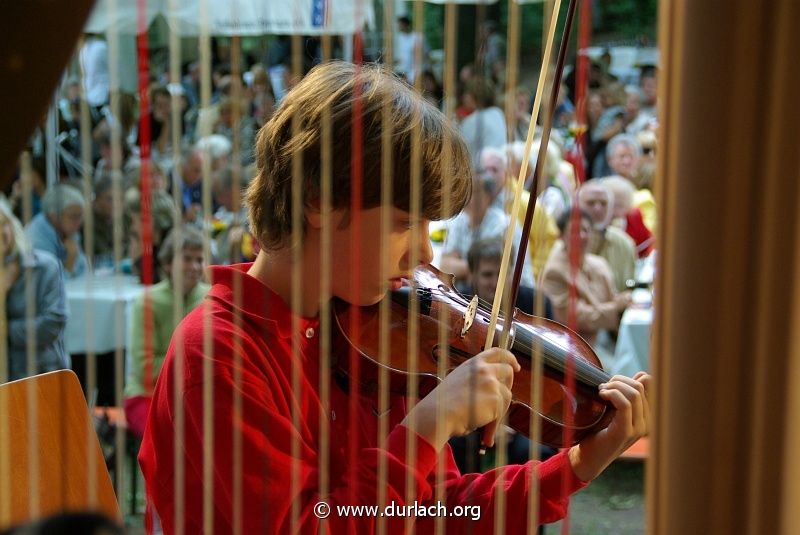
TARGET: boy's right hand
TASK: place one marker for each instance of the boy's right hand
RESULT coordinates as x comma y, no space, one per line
476,394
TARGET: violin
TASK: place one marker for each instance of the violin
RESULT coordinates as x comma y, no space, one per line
467,323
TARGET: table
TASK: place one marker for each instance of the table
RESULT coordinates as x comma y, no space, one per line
99,312
632,353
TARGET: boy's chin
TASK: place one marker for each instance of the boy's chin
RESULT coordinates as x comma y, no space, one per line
364,300
371,300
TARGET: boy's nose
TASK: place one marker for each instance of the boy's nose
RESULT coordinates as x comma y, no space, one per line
426,248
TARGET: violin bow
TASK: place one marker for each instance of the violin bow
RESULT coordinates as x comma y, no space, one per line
546,127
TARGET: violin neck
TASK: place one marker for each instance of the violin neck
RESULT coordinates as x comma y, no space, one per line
557,356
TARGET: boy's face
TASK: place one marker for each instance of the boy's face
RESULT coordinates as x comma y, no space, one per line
366,262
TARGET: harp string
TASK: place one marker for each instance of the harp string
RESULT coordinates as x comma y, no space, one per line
384,312
412,356
449,89
179,451
326,189
296,288
88,244
208,347
236,171
116,229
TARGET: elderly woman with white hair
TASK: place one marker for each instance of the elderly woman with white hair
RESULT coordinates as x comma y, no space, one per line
47,306
627,216
56,228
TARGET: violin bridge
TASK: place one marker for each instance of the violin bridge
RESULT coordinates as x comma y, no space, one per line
469,316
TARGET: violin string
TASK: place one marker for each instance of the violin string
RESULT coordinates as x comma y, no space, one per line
587,373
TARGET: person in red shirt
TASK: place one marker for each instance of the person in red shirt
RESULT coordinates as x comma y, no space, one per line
244,435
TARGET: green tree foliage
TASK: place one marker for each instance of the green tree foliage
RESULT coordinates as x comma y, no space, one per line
626,19
612,20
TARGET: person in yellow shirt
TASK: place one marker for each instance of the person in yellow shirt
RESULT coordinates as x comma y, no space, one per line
503,166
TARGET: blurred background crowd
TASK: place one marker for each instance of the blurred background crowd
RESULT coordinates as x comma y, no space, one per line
150,186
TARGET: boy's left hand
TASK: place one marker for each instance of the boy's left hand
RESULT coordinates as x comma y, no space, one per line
629,396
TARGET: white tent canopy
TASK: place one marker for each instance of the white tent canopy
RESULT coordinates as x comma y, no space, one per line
236,17
478,2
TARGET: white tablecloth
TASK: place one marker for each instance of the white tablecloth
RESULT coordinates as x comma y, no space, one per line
99,312
632,353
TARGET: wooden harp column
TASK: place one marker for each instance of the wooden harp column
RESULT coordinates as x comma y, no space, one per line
727,333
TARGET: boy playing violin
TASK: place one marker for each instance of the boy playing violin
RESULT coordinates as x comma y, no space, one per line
261,341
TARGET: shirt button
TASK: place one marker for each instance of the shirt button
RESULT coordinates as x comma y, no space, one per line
310,332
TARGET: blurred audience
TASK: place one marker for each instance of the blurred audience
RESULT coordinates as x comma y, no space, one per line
503,167
480,220
486,126
597,304
484,258
181,259
48,304
624,157
608,241
628,217
56,228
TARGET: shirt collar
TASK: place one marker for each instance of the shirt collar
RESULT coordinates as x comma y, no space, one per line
256,300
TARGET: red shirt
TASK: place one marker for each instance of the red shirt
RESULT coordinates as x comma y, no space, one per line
266,431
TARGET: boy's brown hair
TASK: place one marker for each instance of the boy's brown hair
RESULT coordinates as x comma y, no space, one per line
334,88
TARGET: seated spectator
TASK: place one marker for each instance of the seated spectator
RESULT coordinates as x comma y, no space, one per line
232,241
479,220
262,104
598,305
484,258
216,150
38,187
610,123
626,216
160,119
103,140
49,301
608,241
486,126
559,179
56,228
503,167
431,88
231,110
103,223
624,157
163,213
564,115
522,113
148,350
636,120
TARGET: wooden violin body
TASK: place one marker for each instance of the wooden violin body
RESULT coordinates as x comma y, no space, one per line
580,410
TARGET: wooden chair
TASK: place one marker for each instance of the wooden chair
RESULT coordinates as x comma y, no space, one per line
50,457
